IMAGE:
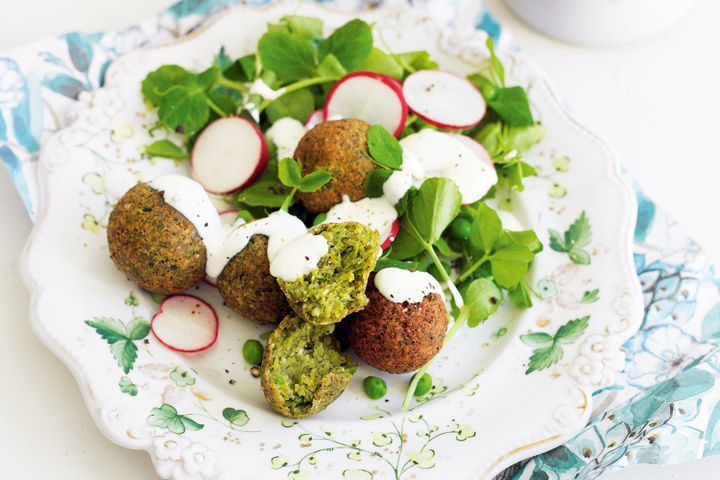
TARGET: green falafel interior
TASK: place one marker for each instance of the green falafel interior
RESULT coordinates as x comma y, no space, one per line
336,288
303,368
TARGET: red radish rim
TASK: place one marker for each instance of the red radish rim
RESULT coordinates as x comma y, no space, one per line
394,229
262,161
480,145
182,350
209,282
391,82
445,125
320,112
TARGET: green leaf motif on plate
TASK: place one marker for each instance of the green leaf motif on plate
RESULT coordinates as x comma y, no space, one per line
573,241
167,417
548,349
121,337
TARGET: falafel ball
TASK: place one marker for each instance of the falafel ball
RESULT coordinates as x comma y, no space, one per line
247,287
153,244
339,147
398,337
303,370
336,287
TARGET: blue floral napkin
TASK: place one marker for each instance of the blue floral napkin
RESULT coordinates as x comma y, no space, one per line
666,406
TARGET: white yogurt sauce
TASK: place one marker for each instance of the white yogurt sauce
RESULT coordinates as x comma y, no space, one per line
263,89
443,156
190,199
398,285
298,257
376,213
280,227
286,134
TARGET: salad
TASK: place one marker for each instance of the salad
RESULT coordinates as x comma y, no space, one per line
363,181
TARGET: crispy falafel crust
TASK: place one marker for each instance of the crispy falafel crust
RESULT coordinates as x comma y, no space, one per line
398,337
248,288
336,287
291,392
340,147
153,244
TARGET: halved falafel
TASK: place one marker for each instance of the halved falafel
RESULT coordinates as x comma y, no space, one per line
336,287
303,370
248,288
153,244
339,147
398,337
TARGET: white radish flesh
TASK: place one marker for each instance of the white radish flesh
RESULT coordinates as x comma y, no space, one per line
444,99
368,96
185,323
228,155
316,118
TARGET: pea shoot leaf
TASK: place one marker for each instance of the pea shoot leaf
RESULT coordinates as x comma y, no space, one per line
264,193
497,71
416,60
314,180
289,172
158,82
381,62
185,106
520,296
512,105
485,229
351,44
509,264
385,262
384,148
165,149
298,105
482,298
221,60
289,56
436,204
331,67
307,27
375,180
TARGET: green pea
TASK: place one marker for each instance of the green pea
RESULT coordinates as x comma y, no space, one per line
375,387
424,385
253,352
460,228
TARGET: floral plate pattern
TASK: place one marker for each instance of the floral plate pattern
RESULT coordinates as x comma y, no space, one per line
497,397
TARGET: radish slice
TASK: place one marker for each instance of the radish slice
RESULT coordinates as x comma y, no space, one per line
368,96
394,229
316,118
185,323
228,155
475,146
444,99
443,155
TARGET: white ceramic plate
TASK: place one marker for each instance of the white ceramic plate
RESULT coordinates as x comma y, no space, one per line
203,416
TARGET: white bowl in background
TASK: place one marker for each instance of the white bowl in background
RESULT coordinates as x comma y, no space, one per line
600,22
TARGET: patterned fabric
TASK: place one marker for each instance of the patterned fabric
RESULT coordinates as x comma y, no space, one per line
666,407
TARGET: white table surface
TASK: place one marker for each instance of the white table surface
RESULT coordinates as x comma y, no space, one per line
656,103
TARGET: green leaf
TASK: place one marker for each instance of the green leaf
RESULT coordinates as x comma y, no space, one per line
289,56
331,67
109,329
125,352
496,67
485,229
314,180
520,296
405,245
351,44
308,27
526,238
543,358
221,60
264,193
509,264
380,62
158,82
522,139
436,204
513,106
579,256
165,149
375,180
298,105
537,339
590,296
579,233
138,329
384,148
127,386
486,86
289,172
166,417
444,248
557,242
416,60
190,424
482,298
572,330
383,263
235,417
248,65
185,106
